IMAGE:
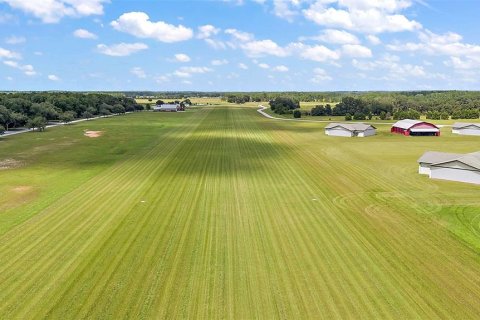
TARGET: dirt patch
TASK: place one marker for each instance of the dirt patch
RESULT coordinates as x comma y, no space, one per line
22,189
92,134
10,164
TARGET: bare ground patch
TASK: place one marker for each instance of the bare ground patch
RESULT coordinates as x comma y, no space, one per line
92,134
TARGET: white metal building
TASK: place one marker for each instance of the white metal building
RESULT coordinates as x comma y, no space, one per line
350,130
471,129
166,107
451,166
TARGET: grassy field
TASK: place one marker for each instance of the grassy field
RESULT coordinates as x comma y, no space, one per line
221,213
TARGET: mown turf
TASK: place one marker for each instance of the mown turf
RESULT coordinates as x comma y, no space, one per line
221,213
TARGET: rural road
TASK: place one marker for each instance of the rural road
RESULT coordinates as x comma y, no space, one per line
11,133
323,121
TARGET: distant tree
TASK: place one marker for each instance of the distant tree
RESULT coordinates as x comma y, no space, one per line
159,102
282,105
87,115
383,115
318,111
45,110
37,122
297,113
118,108
5,117
348,117
148,106
2,129
358,116
67,116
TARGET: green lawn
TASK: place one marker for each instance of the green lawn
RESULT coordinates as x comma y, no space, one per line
219,212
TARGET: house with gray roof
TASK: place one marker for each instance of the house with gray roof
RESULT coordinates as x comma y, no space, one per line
350,130
471,129
451,166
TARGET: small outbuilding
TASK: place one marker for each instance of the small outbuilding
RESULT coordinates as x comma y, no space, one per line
409,127
471,129
350,130
167,107
451,166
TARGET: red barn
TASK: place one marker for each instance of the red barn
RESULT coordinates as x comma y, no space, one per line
410,127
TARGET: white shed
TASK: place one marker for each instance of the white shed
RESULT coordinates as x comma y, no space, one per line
350,130
166,107
471,129
451,166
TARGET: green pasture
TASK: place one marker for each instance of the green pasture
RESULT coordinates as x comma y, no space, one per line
219,212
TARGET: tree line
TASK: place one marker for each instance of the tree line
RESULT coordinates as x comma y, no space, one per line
388,105
34,110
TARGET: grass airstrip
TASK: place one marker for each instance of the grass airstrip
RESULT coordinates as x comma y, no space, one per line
219,212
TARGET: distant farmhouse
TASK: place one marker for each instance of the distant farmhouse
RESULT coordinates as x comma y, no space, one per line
410,127
350,130
168,107
451,166
471,129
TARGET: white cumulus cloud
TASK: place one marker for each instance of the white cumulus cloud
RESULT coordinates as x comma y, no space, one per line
362,15
243,66
337,37
84,34
280,68
138,72
261,48
121,49
53,77
182,57
320,75
27,69
318,53
139,25
356,50
8,54
207,31
186,72
219,62
52,11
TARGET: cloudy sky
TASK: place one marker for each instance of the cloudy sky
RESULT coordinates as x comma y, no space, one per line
248,45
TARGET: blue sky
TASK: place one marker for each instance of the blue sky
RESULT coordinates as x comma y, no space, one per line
249,45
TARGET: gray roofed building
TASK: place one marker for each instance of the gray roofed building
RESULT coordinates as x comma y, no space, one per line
354,129
451,166
166,107
472,129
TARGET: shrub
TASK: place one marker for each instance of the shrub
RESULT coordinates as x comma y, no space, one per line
297,113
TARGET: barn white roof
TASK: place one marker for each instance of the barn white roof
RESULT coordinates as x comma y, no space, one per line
461,125
406,123
355,126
